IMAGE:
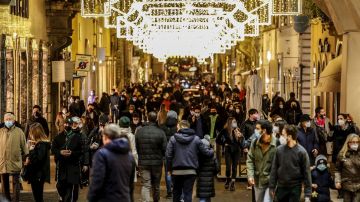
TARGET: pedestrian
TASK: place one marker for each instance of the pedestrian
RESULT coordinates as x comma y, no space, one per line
323,127
13,149
60,120
307,138
233,141
197,122
290,169
348,169
182,155
208,169
91,114
104,104
95,137
37,118
151,146
38,161
68,151
248,127
321,180
91,98
259,161
115,106
135,122
125,130
112,176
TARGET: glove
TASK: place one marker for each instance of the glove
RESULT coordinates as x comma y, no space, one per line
307,199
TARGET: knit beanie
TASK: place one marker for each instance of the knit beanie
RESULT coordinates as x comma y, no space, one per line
124,122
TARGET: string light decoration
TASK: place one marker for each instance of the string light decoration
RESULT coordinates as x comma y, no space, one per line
194,28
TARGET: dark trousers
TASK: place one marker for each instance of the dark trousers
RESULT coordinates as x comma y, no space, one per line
183,184
288,194
6,186
218,151
68,192
231,160
37,187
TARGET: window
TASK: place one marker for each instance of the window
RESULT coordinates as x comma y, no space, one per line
21,8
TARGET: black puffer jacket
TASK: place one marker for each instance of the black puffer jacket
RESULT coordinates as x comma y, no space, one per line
151,145
170,128
205,187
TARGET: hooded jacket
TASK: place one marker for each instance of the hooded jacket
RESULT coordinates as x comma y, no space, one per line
112,177
170,127
183,150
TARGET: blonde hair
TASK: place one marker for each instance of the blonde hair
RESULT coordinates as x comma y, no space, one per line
345,147
37,134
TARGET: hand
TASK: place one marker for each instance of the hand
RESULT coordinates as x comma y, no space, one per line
272,193
27,162
315,152
251,181
94,145
65,152
32,147
246,150
307,199
338,185
314,186
84,168
193,119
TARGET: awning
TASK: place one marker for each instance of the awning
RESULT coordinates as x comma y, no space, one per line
330,77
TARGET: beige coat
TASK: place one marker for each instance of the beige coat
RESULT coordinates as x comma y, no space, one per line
12,149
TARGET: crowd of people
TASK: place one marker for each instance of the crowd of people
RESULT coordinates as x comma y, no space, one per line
143,130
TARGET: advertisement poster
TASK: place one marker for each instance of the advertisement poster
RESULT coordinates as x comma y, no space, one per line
83,63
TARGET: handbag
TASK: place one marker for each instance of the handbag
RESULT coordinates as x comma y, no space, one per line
25,174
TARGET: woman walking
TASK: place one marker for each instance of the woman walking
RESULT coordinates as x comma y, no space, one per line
348,169
38,161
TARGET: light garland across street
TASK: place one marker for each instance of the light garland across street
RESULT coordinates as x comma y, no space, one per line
197,28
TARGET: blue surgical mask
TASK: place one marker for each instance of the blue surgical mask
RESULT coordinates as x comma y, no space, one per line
9,124
321,167
257,133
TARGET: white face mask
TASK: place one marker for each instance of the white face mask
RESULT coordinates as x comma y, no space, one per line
308,124
281,106
237,110
234,125
354,147
257,132
276,129
341,122
282,140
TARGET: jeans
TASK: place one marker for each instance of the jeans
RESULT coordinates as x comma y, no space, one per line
37,188
351,196
151,177
183,184
262,195
288,194
231,160
167,180
6,187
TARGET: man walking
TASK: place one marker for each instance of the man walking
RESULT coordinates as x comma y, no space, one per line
290,169
12,150
114,160
258,163
151,146
37,118
182,155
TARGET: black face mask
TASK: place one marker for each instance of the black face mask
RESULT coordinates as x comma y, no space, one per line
76,129
213,113
68,128
37,114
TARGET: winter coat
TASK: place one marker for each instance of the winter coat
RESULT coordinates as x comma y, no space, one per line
170,128
247,128
259,164
199,130
112,177
224,139
324,181
94,137
12,150
68,168
309,141
338,138
33,120
293,116
348,171
205,186
104,104
151,145
39,167
183,149
131,138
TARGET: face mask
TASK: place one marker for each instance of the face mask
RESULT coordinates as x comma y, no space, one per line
308,124
354,147
321,167
134,99
281,106
81,125
276,129
257,133
131,111
341,122
186,98
282,140
67,128
237,110
256,117
64,112
234,125
37,114
135,122
230,109
213,113
9,124
197,114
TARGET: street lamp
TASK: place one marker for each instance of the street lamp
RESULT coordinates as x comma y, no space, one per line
268,55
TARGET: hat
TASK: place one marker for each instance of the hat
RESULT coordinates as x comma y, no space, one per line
320,159
172,114
124,122
75,119
305,117
103,119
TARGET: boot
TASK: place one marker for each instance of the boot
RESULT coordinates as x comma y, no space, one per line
232,186
227,183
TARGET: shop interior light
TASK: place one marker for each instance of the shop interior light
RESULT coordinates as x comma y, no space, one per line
182,28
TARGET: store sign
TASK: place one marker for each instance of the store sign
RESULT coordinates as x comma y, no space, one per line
81,74
62,71
83,63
